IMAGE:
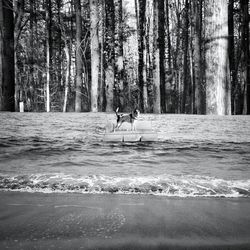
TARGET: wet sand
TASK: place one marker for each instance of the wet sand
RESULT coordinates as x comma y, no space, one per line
82,221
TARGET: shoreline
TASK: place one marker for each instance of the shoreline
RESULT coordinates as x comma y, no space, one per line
106,221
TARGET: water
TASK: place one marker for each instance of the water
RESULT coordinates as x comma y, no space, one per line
57,152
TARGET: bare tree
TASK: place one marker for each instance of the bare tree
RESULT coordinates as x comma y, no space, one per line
94,45
78,89
7,70
156,68
48,51
198,91
109,55
218,96
245,62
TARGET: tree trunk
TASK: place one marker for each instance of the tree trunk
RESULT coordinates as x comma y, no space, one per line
231,52
161,38
156,68
109,55
66,49
192,85
19,12
197,58
176,61
144,75
185,63
60,51
78,89
140,7
144,64
218,99
168,36
168,90
101,32
94,45
245,56
7,70
48,52
119,65
31,59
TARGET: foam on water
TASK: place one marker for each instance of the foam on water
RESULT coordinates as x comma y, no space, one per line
166,185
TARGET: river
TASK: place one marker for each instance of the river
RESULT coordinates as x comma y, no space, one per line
64,152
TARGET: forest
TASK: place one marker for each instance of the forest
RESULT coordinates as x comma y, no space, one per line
160,56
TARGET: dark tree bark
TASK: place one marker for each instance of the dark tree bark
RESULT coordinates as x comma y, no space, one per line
231,53
169,53
245,56
7,69
141,21
119,64
161,26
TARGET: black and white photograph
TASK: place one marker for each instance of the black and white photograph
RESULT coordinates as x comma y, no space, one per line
124,124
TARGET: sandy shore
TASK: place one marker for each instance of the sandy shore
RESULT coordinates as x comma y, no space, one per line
77,221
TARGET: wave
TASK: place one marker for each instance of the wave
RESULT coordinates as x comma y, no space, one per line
166,185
